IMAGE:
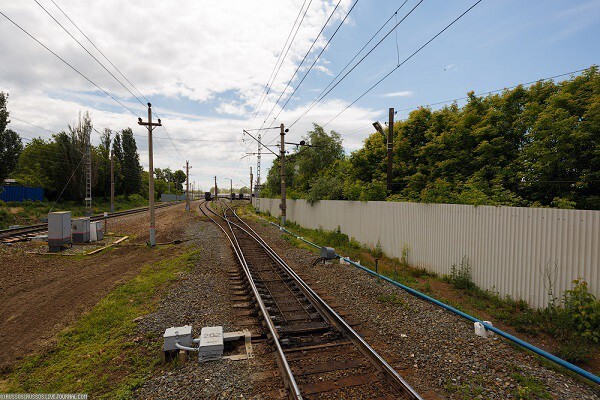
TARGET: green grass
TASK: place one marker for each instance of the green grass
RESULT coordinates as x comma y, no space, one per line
528,387
32,212
393,299
100,354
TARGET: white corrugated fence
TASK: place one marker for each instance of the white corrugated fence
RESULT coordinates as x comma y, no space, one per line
511,250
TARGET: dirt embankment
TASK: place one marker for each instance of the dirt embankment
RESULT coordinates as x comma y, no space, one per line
40,295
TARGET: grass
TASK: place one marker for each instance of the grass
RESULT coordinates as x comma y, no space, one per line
100,353
32,212
528,387
456,290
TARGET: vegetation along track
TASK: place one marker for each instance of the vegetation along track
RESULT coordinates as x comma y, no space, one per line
318,353
26,232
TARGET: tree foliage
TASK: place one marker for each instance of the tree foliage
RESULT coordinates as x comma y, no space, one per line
534,146
10,142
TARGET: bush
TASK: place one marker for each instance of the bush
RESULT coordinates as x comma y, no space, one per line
583,310
377,252
460,276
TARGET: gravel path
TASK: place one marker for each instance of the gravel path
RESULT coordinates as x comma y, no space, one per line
436,351
202,298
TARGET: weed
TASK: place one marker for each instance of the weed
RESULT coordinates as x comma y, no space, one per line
404,255
377,252
574,351
529,387
460,276
426,288
393,299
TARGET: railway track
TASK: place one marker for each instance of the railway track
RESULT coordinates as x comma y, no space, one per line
27,232
320,356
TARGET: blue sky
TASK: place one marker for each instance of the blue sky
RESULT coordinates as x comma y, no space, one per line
204,64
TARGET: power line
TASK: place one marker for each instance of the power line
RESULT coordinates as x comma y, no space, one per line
304,59
288,49
87,51
405,60
69,65
103,66
326,91
99,51
313,64
495,91
29,123
272,77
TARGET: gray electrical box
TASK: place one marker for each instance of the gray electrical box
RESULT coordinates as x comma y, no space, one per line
328,253
179,334
211,342
59,229
81,230
99,230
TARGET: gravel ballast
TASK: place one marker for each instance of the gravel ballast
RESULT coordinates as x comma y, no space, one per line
202,298
436,351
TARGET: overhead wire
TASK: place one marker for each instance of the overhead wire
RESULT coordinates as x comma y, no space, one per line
289,47
306,55
405,60
328,89
87,51
103,66
99,51
272,77
313,64
67,63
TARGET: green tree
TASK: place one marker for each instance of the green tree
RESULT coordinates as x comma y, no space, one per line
178,178
131,168
10,142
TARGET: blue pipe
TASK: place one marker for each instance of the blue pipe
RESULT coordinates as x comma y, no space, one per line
551,357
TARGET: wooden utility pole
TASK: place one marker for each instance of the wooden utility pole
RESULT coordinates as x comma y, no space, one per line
187,186
251,177
151,126
282,162
216,190
112,182
230,188
390,149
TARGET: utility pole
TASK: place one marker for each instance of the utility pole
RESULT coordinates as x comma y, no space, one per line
187,186
151,126
251,177
258,173
112,182
282,162
390,150
230,188
88,174
216,190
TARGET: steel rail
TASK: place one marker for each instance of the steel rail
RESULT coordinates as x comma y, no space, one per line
289,380
24,230
378,362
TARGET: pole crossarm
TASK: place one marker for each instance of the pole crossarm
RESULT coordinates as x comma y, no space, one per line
262,144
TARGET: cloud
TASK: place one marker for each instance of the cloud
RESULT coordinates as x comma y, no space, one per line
217,56
405,93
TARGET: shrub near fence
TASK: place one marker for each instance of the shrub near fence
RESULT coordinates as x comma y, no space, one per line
514,251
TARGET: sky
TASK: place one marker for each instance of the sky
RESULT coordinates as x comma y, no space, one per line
206,65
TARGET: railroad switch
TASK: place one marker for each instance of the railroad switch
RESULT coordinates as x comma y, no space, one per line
210,343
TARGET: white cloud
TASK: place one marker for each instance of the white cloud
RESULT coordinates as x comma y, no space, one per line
405,93
204,51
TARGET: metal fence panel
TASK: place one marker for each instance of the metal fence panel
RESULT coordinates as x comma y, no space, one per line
514,251
21,193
